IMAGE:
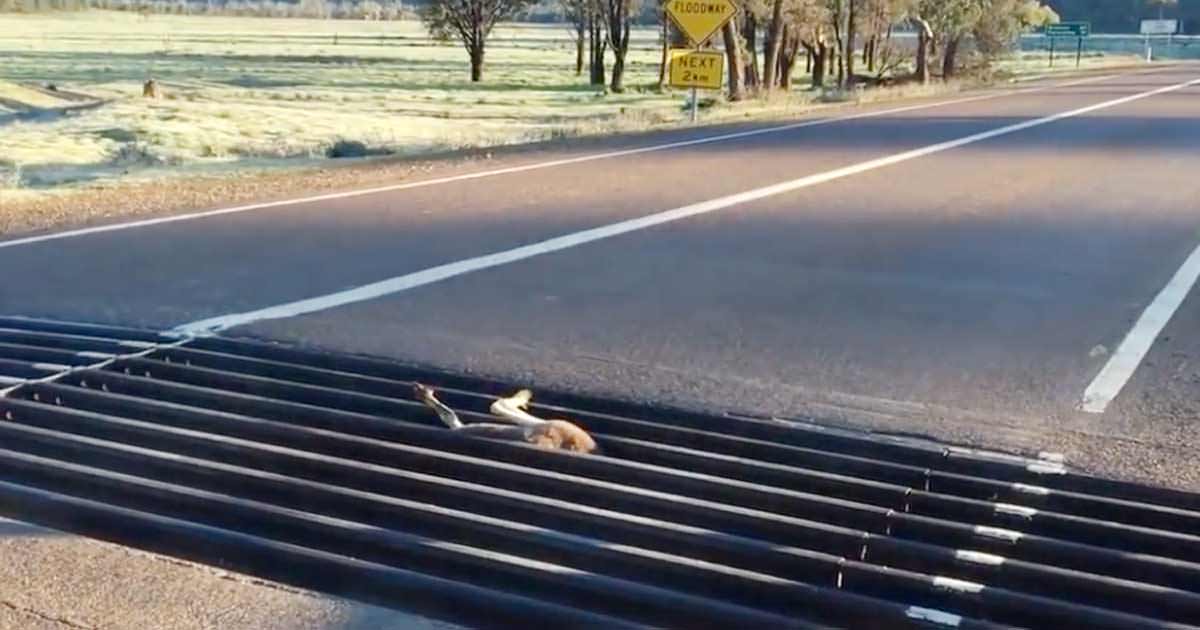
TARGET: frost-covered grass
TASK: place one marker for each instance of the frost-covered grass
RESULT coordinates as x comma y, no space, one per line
249,93
259,92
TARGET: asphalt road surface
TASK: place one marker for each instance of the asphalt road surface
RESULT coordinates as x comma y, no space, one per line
966,269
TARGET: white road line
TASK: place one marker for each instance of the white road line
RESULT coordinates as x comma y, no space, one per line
1125,361
532,167
442,272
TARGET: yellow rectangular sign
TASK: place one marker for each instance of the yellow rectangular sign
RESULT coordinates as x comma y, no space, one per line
697,69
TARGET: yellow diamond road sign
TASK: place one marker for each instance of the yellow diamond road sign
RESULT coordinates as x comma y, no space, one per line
697,68
699,19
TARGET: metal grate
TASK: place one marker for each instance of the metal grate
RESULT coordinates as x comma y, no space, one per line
318,470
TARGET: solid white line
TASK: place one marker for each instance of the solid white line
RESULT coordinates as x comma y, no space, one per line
530,167
450,270
1125,361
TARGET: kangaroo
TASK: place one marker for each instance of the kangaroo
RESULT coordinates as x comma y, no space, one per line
151,89
524,427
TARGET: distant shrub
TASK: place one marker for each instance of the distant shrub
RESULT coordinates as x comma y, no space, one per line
137,154
10,175
353,149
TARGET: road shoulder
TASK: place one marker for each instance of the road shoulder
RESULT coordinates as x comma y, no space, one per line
51,580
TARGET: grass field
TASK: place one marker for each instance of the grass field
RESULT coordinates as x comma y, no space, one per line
254,91
246,93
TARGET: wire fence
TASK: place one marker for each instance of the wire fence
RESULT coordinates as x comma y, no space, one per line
1162,47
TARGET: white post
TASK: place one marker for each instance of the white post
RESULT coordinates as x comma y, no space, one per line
695,105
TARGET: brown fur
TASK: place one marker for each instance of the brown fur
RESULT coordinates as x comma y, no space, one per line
150,89
562,435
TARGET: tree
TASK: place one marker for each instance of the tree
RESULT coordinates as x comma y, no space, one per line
774,41
943,23
993,25
876,24
576,14
810,24
749,36
798,25
848,48
618,16
471,21
733,59
924,41
597,43
1003,21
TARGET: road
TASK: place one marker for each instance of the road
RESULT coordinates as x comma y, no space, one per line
962,268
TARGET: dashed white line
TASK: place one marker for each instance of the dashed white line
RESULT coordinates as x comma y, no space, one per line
1125,361
29,240
442,272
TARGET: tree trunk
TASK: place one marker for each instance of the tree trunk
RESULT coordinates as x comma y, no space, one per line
733,58
821,65
477,61
666,44
781,53
771,56
851,30
949,58
580,36
818,54
617,85
924,35
787,61
617,18
597,45
750,35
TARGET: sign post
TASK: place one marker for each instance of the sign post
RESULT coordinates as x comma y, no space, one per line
1158,27
692,68
1077,30
697,69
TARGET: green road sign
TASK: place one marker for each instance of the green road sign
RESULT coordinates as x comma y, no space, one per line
1069,29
